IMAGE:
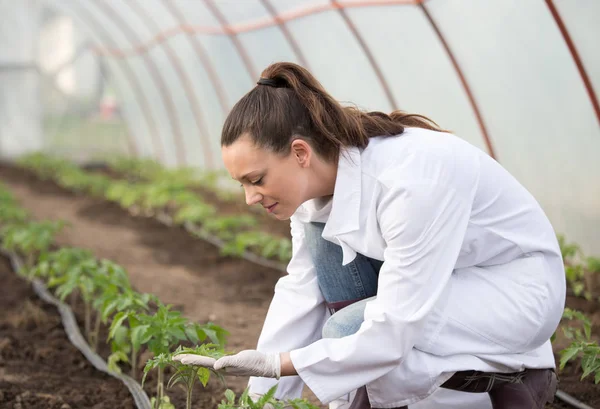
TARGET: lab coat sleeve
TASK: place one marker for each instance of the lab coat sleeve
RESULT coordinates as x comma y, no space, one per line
295,317
423,226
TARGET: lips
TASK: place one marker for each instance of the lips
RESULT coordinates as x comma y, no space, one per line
270,208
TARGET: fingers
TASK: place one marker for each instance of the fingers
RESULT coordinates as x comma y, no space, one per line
224,362
193,359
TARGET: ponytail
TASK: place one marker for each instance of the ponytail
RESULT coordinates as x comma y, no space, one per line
289,103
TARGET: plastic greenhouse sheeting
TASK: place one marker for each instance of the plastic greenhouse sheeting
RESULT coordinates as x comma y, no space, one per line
519,79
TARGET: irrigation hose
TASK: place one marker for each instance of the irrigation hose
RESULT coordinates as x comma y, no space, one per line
72,329
569,400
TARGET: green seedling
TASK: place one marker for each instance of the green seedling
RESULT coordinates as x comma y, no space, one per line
83,182
226,227
12,214
581,346
89,278
136,169
163,330
6,197
30,239
265,401
44,166
195,212
187,375
265,244
125,194
55,264
167,328
127,339
569,251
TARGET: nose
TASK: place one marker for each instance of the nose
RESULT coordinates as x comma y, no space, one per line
252,196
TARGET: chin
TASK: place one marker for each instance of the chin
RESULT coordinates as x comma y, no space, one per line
282,216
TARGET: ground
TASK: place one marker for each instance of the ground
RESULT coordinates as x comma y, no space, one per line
169,263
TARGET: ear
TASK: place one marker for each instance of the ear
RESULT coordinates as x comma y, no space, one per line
302,152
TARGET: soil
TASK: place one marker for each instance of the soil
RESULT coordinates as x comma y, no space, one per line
167,262
39,368
190,274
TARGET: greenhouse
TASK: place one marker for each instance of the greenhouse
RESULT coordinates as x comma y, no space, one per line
126,241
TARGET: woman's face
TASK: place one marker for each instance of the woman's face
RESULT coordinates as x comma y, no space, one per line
278,183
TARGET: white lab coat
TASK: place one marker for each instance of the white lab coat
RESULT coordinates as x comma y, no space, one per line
472,275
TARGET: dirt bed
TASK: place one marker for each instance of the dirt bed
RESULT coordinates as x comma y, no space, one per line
188,272
39,368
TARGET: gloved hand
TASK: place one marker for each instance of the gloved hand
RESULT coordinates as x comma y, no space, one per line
250,363
193,359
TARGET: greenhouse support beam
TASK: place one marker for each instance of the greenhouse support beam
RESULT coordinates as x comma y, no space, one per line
286,32
234,39
241,28
573,50
204,60
167,97
139,95
463,80
367,51
186,82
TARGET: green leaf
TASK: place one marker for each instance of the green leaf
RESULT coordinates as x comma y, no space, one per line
179,376
230,396
244,397
138,336
267,396
203,376
114,359
118,320
567,354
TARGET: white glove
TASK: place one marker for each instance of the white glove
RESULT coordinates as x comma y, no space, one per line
250,363
197,360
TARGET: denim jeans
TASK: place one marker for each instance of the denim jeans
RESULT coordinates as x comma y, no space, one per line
346,289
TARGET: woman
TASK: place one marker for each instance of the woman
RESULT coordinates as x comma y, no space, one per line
419,264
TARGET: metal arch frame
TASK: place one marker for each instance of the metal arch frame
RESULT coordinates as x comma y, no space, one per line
130,75
232,31
186,82
575,55
233,37
107,9
363,45
463,80
204,60
247,27
286,32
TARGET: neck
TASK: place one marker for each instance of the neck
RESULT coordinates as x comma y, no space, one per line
324,176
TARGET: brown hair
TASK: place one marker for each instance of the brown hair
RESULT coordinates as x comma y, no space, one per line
293,104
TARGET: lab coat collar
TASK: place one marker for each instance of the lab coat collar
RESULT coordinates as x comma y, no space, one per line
344,216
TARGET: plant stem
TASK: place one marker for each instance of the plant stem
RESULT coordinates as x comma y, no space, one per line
96,333
188,398
87,320
159,388
133,362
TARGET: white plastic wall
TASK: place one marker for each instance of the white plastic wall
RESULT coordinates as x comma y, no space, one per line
20,114
178,67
